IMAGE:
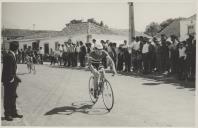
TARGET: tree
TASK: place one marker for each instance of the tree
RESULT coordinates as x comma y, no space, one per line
152,29
101,23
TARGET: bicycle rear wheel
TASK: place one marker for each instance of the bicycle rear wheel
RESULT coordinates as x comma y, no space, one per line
91,89
107,95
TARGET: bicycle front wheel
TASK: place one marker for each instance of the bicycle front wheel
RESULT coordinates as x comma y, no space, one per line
91,89
107,95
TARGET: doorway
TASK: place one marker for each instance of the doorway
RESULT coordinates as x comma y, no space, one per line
46,48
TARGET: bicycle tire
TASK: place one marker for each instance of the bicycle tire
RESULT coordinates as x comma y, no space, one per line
107,87
91,90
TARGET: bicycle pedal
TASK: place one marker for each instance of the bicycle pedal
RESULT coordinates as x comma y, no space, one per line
109,95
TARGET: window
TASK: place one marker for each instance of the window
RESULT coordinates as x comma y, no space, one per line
46,48
35,45
191,29
29,47
24,46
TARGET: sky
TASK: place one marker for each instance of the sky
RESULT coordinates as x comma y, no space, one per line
54,16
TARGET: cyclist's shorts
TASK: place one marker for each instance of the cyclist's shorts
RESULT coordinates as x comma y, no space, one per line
97,66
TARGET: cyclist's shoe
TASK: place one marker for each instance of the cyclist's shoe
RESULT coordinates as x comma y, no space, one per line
92,91
100,86
96,93
114,74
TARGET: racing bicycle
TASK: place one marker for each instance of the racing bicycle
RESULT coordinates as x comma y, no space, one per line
104,88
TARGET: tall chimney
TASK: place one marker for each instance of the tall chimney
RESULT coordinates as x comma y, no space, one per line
131,22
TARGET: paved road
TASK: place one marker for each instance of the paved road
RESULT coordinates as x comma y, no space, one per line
59,97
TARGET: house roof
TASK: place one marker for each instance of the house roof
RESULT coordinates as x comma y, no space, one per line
192,17
25,33
174,27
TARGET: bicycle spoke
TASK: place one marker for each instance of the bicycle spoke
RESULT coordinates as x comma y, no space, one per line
91,89
108,98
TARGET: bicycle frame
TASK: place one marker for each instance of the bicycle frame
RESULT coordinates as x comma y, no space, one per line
103,85
101,74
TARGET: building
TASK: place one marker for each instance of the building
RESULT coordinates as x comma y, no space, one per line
181,28
187,27
48,40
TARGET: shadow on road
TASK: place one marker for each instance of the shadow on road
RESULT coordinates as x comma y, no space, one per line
71,68
151,84
2,118
22,73
82,107
157,79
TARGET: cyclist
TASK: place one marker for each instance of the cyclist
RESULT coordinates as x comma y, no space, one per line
95,63
30,63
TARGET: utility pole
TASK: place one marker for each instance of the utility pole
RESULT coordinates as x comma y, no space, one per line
131,22
34,27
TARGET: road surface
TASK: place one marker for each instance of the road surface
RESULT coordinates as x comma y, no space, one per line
57,96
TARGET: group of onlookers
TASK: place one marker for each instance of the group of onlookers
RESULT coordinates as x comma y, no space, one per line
35,56
161,55
165,55
69,54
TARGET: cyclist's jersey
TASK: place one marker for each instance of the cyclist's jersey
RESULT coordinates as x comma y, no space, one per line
96,60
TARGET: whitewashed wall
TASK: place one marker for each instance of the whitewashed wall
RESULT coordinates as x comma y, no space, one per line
23,42
184,27
50,41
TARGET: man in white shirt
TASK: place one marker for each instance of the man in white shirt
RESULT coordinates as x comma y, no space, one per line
182,61
136,45
145,55
135,52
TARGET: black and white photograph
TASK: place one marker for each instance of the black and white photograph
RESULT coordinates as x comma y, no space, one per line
98,64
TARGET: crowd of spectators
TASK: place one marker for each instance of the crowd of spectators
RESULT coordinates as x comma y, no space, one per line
164,55
22,56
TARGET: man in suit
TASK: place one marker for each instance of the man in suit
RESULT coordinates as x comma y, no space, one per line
10,82
82,54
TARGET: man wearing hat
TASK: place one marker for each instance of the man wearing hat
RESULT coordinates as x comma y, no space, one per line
10,82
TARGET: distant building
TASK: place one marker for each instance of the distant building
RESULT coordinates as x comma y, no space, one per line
48,40
187,27
181,28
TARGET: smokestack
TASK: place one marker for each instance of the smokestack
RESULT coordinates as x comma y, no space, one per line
131,22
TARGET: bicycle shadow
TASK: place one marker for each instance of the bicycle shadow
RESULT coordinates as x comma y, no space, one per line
81,107
23,73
